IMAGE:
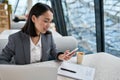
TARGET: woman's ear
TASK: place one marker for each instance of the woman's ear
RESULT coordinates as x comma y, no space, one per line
33,18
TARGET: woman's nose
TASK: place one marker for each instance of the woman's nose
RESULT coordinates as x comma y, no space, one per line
48,25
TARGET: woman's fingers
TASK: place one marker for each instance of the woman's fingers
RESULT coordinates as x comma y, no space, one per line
66,52
72,54
67,55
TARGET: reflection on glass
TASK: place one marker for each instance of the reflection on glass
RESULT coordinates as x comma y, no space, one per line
112,26
80,20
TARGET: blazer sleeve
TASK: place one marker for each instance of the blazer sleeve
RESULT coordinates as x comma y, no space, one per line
54,52
8,52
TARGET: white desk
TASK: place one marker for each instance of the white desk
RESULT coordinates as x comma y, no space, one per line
107,66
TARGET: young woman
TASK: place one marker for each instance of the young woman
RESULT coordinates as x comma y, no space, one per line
34,43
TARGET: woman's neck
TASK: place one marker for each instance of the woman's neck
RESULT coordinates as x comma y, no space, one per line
35,39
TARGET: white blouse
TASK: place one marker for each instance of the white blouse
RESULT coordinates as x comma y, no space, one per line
35,51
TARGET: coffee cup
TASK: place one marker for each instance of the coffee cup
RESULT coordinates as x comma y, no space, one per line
80,57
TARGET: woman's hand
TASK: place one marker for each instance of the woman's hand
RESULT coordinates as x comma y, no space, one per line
66,56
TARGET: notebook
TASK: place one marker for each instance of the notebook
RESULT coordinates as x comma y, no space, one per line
10,72
76,71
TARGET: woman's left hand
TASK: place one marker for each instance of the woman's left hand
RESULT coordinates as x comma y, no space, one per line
66,56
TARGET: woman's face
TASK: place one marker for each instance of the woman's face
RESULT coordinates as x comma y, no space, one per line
42,22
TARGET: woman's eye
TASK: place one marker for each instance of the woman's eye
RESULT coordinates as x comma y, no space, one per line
46,21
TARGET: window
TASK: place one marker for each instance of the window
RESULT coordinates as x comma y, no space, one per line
19,7
14,4
80,20
112,26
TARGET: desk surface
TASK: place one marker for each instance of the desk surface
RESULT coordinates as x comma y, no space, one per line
106,65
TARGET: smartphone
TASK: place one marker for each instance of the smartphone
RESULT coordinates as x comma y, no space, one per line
74,50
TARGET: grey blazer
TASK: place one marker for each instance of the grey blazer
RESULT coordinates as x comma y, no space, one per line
18,47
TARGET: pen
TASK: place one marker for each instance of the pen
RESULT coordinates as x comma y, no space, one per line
68,70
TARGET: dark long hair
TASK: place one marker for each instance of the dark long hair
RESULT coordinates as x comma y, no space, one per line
37,10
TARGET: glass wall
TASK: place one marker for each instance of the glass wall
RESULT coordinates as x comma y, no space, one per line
19,7
42,1
112,26
13,3
80,20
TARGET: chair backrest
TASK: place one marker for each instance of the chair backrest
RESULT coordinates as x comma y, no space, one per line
65,42
62,42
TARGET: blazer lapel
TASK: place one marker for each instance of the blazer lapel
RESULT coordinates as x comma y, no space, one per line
44,46
26,47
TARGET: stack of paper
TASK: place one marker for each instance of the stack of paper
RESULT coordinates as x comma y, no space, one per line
76,71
